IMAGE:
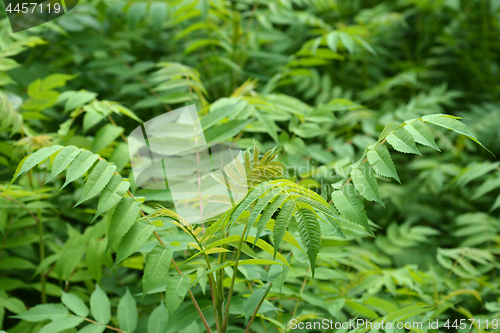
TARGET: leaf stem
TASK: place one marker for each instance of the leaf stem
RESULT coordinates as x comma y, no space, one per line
220,287
180,273
257,309
233,279
301,291
213,292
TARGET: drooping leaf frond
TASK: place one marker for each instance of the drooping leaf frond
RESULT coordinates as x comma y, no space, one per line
292,200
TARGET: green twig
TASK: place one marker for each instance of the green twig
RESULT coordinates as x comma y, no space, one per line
180,273
233,279
20,204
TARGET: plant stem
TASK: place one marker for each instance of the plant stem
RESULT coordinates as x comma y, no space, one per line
220,287
233,279
257,309
366,159
42,256
301,291
211,280
107,326
143,81
176,267
22,206
38,220
112,121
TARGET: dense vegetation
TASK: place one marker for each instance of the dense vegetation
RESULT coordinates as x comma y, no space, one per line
346,216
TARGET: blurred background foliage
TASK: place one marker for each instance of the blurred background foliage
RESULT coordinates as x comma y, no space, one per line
319,79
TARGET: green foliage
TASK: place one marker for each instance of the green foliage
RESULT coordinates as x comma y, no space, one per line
350,205
100,306
381,160
75,304
62,319
177,287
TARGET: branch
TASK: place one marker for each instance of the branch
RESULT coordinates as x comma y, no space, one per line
178,271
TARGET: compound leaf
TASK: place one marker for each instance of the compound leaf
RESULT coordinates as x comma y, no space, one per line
36,158
63,159
100,306
158,319
44,311
310,233
281,224
255,299
61,324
